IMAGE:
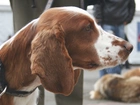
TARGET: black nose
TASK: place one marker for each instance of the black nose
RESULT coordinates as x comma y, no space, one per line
128,46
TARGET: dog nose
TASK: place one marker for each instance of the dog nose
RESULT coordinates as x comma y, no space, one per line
128,46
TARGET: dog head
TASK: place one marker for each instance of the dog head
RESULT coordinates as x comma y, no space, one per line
68,38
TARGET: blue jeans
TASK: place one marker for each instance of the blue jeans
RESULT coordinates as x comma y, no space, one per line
117,30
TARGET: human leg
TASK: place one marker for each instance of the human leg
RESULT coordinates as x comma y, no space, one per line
103,72
119,31
23,13
108,28
117,69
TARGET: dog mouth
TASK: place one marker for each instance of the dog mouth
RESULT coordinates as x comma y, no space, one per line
87,65
92,65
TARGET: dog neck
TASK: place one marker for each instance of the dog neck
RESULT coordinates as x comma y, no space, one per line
4,88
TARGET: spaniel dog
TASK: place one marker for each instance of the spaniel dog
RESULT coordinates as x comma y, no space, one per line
48,50
125,88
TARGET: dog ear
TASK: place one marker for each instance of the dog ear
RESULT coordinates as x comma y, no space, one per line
51,62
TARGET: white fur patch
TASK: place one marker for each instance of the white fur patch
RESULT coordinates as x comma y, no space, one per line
29,100
92,94
32,98
105,49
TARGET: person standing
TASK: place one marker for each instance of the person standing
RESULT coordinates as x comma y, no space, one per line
113,15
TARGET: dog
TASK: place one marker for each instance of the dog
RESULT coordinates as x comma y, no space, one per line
51,50
132,73
125,87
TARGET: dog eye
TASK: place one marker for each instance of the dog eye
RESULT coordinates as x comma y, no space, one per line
88,27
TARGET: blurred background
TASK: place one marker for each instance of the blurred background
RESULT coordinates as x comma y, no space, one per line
132,31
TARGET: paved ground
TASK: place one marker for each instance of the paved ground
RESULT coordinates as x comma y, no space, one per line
89,80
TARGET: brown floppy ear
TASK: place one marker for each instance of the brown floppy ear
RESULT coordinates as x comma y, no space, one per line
51,61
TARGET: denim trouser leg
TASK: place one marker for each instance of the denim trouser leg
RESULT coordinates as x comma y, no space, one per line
117,30
102,72
116,69
113,70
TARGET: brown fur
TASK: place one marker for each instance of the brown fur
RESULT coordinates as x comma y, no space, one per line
132,72
119,88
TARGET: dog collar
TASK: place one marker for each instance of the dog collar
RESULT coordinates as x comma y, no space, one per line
4,87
